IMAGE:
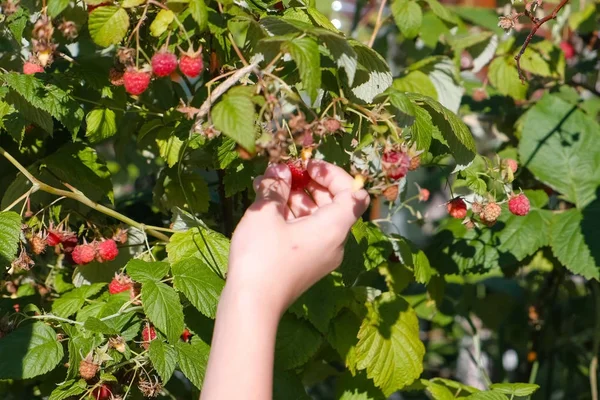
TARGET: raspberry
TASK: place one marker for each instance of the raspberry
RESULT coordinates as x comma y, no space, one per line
490,213
300,177
391,192
164,63
88,368
38,244
120,283
30,68
116,77
477,207
107,250
54,238
332,125
415,162
519,205
457,208
395,164
136,82
83,254
424,195
191,64
148,335
479,94
186,335
568,49
512,164
69,242
469,224
102,392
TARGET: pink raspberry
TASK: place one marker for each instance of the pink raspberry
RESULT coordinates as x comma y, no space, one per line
512,164
107,250
136,82
191,64
457,208
519,205
395,164
83,254
164,63
30,68
424,195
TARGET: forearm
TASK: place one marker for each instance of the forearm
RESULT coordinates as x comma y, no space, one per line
241,356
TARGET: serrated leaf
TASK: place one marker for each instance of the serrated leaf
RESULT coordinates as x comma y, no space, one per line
95,325
416,82
144,271
17,22
29,351
108,25
164,359
31,113
238,179
68,389
208,245
342,53
55,7
132,3
320,303
441,11
190,192
503,76
101,124
422,130
487,396
439,392
288,386
373,76
199,284
297,341
162,306
389,347
70,302
192,359
161,22
408,17
342,336
79,346
234,116
515,389
532,61
416,259
10,231
199,12
305,53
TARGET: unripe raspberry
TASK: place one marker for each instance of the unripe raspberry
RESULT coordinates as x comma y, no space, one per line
424,195
477,207
164,63
490,213
107,250
332,125
30,68
300,177
136,82
415,162
83,254
88,368
191,64
512,164
38,244
391,192
395,164
519,205
457,208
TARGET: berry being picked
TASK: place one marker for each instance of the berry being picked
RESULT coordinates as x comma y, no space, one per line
164,63
102,392
519,205
567,49
30,68
191,64
148,335
136,82
512,164
395,164
490,213
300,177
186,335
457,208
120,283
83,254
88,368
107,250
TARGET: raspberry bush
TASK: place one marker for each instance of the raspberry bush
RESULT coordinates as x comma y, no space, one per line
131,130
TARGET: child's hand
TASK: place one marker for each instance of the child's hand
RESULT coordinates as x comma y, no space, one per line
286,242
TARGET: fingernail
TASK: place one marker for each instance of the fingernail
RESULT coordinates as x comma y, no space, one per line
360,195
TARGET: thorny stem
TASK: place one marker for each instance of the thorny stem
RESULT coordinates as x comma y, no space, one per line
378,23
80,197
537,23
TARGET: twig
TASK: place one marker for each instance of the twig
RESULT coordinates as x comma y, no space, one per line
20,199
237,50
537,23
378,23
80,197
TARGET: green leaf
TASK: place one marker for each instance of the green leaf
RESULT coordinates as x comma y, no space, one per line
29,351
55,7
503,76
373,76
71,302
442,12
422,130
144,271
416,259
408,17
169,146
389,347
17,23
401,102
161,22
356,387
95,325
199,12
132,3
68,389
162,306
558,136
194,194
288,386
515,389
487,396
439,392
200,285
532,61
108,25
203,243
31,113
342,336
320,303
305,52
192,359
234,116
164,359
238,179
101,124
79,346
342,53
10,231
297,342
416,82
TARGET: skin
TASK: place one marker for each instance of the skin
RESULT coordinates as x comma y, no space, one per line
285,243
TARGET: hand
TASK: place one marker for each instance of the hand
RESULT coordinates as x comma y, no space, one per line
288,240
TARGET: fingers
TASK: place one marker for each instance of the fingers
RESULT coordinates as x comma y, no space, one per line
329,176
320,194
301,204
273,190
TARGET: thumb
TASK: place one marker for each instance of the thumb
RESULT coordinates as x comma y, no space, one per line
273,189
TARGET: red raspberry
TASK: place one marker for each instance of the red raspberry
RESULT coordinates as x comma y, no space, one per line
107,250
102,392
395,164
300,177
519,205
120,283
512,164
30,68
136,82
186,335
568,49
424,195
54,238
191,64
457,208
148,335
83,254
164,63
68,241
490,214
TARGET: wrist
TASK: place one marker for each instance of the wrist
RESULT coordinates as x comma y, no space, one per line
247,297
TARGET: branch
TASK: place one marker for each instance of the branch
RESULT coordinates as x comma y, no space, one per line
537,23
80,197
378,23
